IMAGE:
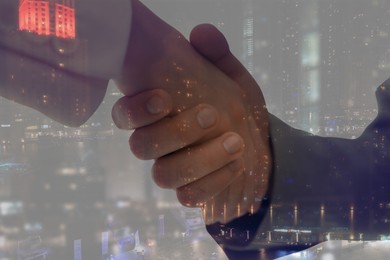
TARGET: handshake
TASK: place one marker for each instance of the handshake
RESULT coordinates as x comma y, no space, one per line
195,109
198,113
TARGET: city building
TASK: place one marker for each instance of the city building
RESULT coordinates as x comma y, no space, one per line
48,17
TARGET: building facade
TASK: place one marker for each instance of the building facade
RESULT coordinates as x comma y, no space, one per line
48,17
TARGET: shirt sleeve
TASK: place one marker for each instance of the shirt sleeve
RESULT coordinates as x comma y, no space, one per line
106,26
57,58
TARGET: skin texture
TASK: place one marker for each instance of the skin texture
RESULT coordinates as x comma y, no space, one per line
198,113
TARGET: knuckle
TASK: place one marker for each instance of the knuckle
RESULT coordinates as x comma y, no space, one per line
188,197
162,175
158,176
182,130
117,115
237,166
237,112
143,144
184,173
124,116
137,145
132,119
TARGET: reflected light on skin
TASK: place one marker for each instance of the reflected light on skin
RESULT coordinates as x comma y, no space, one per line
177,67
184,126
212,212
224,212
129,119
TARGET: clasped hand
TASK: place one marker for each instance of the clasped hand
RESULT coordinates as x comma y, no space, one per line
198,114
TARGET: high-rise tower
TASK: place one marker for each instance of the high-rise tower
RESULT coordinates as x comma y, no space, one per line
48,17
248,34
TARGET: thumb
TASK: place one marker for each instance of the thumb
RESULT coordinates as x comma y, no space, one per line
212,44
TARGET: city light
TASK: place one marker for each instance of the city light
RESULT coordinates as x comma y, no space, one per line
76,169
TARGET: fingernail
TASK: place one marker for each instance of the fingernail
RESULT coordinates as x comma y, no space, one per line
206,117
155,105
232,144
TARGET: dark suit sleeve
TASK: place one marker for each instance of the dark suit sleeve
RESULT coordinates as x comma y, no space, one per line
104,25
310,170
65,79
307,169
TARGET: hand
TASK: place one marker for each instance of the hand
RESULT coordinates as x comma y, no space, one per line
205,124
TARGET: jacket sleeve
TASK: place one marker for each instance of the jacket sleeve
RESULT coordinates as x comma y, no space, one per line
103,25
309,170
64,78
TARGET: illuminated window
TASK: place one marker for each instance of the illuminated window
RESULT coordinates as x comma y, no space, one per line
33,19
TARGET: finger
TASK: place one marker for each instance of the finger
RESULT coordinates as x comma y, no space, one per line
140,110
174,133
195,194
191,164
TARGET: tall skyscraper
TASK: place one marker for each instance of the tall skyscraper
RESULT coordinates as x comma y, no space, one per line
310,85
161,226
48,17
247,35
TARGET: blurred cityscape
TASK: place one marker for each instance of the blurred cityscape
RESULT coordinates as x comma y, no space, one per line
79,192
